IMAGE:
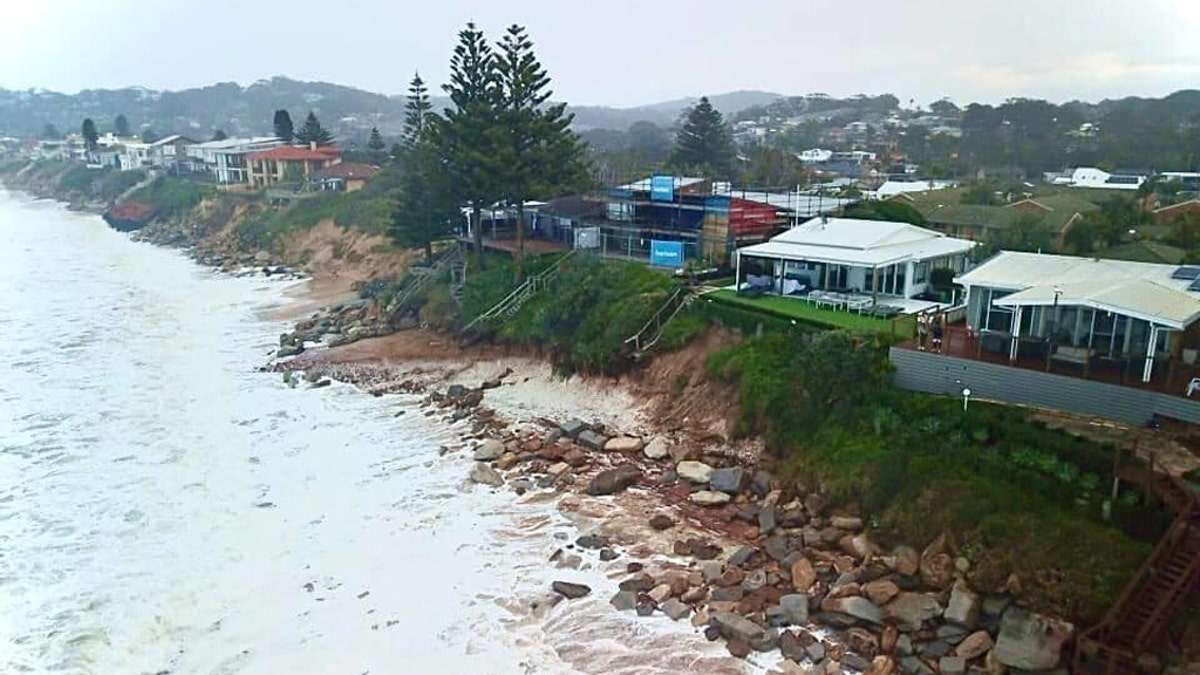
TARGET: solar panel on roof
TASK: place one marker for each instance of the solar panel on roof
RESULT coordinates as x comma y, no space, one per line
1187,272
1194,286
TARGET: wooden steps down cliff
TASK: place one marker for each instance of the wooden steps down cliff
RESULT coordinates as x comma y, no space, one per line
1137,624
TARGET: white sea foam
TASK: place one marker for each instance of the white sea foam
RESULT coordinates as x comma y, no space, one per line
166,508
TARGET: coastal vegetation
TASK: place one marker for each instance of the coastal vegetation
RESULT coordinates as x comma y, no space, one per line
1014,496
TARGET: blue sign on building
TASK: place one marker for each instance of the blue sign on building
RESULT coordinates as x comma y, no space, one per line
666,253
662,188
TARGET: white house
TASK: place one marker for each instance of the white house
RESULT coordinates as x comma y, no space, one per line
1091,177
865,257
1092,310
170,151
891,188
815,155
226,159
134,155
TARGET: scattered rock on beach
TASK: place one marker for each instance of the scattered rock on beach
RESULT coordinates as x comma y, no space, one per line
489,450
657,448
612,481
727,480
623,444
569,590
486,475
695,472
592,440
709,498
662,521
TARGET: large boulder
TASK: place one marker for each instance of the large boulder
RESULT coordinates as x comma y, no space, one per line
614,480
963,607
623,444
486,475
727,480
737,627
592,440
909,610
854,606
489,450
1030,641
695,472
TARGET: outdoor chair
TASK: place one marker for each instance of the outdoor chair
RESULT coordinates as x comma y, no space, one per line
1193,387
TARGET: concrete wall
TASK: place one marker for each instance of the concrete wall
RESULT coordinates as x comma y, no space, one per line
939,374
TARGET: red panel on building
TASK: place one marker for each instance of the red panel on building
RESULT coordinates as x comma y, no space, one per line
749,219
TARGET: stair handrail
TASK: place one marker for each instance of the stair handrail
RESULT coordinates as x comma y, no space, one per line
416,282
1188,507
521,293
673,304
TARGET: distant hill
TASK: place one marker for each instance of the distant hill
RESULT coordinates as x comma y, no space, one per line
237,109
667,113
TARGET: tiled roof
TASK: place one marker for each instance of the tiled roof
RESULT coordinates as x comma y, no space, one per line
291,153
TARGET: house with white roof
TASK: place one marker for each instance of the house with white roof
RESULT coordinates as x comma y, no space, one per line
1090,312
226,159
872,258
1091,177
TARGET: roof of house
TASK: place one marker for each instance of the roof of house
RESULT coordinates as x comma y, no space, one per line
291,153
573,206
850,241
1146,251
173,138
1141,290
348,171
977,215
643,185
1061,201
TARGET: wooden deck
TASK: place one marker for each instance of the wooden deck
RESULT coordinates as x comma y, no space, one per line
1169,376
532,246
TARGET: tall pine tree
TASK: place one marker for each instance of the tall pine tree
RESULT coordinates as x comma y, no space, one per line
426,208
467,137
539,153
376,148
313,132
283,126
90,137
121,125
704,144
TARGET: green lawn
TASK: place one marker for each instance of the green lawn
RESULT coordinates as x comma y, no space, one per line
793,308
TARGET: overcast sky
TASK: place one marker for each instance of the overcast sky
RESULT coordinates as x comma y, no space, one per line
623,52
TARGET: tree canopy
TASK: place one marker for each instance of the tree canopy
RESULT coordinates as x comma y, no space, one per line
704,143
313,132
121,125
51,132
427,205
468,137
283,126
376,148
90,137
219,135
539,153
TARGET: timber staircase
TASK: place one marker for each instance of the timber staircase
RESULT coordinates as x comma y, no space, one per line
649,335
513,302
420,277
1138,623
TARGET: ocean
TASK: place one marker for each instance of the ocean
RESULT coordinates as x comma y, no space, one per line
166,507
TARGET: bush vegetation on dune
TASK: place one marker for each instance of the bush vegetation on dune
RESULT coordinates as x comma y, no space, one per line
1015,496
